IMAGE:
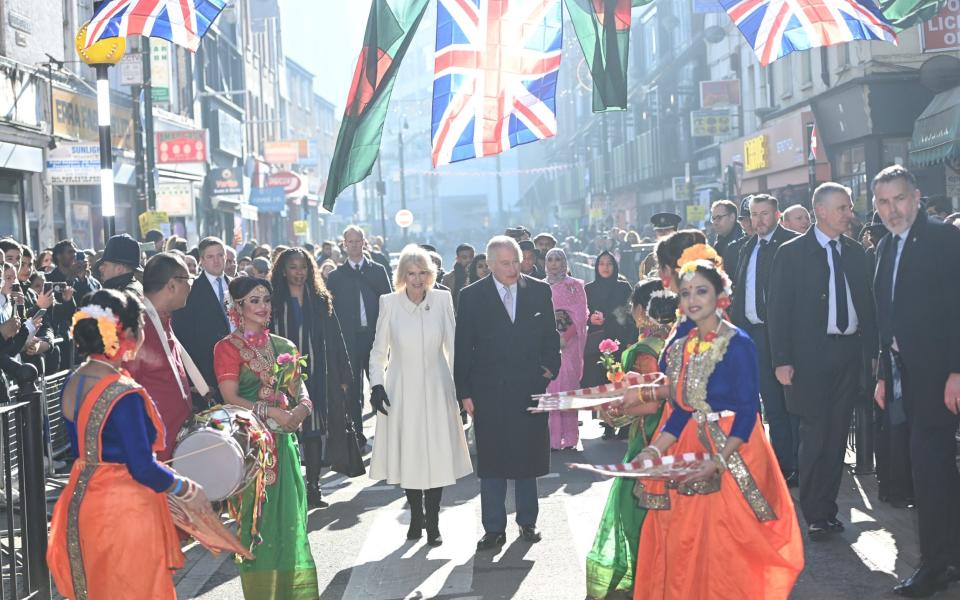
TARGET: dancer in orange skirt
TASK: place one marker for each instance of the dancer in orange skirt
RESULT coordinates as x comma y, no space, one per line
730,530
111,536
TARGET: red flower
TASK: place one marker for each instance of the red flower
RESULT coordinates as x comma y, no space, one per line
609,346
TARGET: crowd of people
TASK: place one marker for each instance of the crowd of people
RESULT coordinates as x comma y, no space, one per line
786,314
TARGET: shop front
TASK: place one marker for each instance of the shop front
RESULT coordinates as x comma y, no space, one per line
866,125
935,146
774,160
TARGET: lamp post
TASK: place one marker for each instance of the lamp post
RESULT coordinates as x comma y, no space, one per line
101,55
403,183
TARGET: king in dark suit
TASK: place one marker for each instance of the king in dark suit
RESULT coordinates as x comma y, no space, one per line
507,349
822,326
917,286
356,286
203,321
748,311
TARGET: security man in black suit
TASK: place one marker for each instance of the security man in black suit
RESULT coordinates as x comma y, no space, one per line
749,310
356,286
203,321
822,327
917,286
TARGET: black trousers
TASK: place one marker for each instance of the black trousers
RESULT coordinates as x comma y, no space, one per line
936,482
894,471
312,458
360,362
784,427
824,429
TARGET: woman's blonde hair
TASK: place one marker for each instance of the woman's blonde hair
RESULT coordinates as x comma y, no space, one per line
414,256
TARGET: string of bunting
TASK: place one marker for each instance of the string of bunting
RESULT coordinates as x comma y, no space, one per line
502,173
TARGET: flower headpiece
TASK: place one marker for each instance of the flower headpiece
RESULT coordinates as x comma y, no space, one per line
107,324
700,252
689,269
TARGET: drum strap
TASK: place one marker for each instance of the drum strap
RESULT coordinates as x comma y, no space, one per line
188,365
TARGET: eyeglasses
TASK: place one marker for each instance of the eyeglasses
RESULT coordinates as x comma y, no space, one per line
716,218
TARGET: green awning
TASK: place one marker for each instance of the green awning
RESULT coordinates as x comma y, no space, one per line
935,134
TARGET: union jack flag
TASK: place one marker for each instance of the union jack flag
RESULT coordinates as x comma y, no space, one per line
183,22
775,28
495,76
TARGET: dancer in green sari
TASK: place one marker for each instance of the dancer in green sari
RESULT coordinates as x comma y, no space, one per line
611,563
272,512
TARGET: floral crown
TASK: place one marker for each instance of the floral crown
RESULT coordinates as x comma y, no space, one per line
107,324
689,269
700,252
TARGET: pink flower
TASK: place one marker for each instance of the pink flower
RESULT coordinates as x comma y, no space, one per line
285,358
609,346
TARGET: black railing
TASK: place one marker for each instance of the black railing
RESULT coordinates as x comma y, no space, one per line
23,512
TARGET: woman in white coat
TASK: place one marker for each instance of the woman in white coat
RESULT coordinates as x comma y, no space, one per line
419,443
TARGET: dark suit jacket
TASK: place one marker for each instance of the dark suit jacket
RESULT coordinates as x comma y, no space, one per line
499,365
200,325
738,306
729,249
926,315
346,285
797,307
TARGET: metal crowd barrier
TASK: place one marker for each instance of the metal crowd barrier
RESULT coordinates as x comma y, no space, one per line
23,507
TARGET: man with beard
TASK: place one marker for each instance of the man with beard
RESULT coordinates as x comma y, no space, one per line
456,279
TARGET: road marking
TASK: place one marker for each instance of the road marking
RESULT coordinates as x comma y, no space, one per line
389,566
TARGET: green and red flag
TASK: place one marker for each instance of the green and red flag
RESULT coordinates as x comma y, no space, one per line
603,29
390,29
906,13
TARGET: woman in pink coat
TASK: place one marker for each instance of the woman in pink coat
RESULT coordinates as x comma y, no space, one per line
570,309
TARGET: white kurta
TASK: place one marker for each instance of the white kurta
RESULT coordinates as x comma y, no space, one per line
420,444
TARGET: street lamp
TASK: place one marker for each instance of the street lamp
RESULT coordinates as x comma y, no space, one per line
101,55
403,184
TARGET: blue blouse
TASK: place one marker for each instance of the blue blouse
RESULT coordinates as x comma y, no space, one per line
732,386
127,438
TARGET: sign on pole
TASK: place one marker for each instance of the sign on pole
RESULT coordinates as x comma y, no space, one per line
403,218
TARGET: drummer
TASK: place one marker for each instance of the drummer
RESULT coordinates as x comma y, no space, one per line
159,366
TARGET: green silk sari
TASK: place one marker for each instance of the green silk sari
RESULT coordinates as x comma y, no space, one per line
283,568
612,562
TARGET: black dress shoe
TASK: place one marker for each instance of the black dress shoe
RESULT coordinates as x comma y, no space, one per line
315,498
434,539
529,533
925,582
834,525
793,479
818,530
491,541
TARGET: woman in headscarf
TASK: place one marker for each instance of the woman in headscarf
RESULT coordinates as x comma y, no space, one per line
608,300
570,310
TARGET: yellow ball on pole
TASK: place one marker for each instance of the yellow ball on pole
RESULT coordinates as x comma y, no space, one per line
107,51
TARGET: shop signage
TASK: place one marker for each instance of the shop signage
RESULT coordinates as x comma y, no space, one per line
300,228
755,153
229,134
268,200
154,220
225,182
942,32
160,71
285,152
723,92
182,146
74,164
685,191
175,198
75,116
286,180
710,122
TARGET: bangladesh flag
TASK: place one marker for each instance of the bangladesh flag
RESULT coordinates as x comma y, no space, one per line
603,29
390,30
906,13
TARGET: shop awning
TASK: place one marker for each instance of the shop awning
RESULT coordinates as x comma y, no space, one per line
935,134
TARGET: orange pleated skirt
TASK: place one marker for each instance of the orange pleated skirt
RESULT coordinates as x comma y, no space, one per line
713,547
127,539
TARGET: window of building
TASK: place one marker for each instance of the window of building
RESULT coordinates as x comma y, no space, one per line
786,75
852,172
806,68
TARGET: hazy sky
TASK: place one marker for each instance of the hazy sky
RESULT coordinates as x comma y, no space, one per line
325,37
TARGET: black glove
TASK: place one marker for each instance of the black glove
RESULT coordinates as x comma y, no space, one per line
378,398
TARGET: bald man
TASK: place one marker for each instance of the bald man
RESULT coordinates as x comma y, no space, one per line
796,218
